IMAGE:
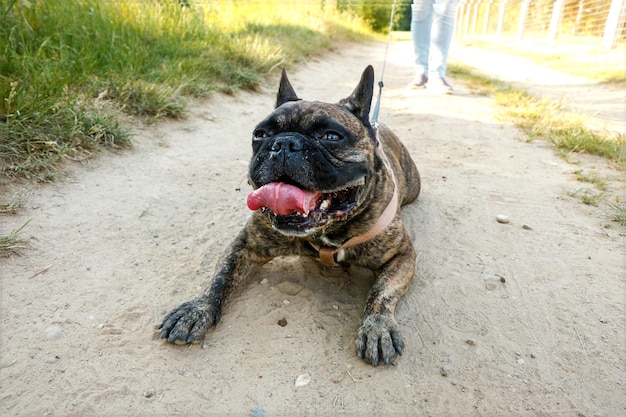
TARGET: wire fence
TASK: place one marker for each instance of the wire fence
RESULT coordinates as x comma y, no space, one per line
600,22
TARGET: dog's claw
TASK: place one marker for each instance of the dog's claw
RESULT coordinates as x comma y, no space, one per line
398,341
378,339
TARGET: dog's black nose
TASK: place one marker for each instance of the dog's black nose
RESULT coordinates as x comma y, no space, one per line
287,144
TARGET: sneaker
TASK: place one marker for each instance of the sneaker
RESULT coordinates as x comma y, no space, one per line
440,84
418,82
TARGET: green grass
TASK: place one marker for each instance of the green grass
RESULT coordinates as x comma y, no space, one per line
618,213
591,178
542,118
587,197
567,130
68,68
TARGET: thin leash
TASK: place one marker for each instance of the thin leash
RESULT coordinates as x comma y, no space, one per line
374,120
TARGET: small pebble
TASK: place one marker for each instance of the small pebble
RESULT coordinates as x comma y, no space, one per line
532,355
282,322
148,394
443,371
502,280
53,332
501,218
264,281
470,342
526,227
303,380
520,361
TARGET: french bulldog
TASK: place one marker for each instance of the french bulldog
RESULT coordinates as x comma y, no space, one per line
326,184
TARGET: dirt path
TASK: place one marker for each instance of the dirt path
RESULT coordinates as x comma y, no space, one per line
523,319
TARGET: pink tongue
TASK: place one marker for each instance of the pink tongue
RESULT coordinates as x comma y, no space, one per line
283,199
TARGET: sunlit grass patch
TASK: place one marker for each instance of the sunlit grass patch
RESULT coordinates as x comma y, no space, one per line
145,58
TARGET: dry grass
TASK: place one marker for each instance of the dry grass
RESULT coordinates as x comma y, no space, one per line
11,243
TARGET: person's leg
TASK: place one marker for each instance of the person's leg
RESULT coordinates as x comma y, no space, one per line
421,28
442,33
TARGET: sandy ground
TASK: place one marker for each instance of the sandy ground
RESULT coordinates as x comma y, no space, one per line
518,319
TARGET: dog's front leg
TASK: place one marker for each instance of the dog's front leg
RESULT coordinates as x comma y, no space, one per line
190,321
378,336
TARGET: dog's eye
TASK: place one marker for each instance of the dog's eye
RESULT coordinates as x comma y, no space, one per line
260,134
330,135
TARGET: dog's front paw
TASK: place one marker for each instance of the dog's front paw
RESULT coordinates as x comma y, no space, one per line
378,339
189,322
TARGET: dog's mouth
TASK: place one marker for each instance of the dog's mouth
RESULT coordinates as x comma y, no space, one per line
295,211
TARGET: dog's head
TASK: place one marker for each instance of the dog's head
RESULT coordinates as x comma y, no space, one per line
312,162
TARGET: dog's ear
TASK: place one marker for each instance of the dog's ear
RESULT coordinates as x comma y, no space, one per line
360,101
285,91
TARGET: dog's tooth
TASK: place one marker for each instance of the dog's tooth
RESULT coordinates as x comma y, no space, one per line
325,204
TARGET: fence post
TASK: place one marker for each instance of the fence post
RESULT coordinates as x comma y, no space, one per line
555,22
486,20
521,21
579,16
468,11
616,14
458,27
475,17
501,18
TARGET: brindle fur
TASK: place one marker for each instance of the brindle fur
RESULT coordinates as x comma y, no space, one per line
390,254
